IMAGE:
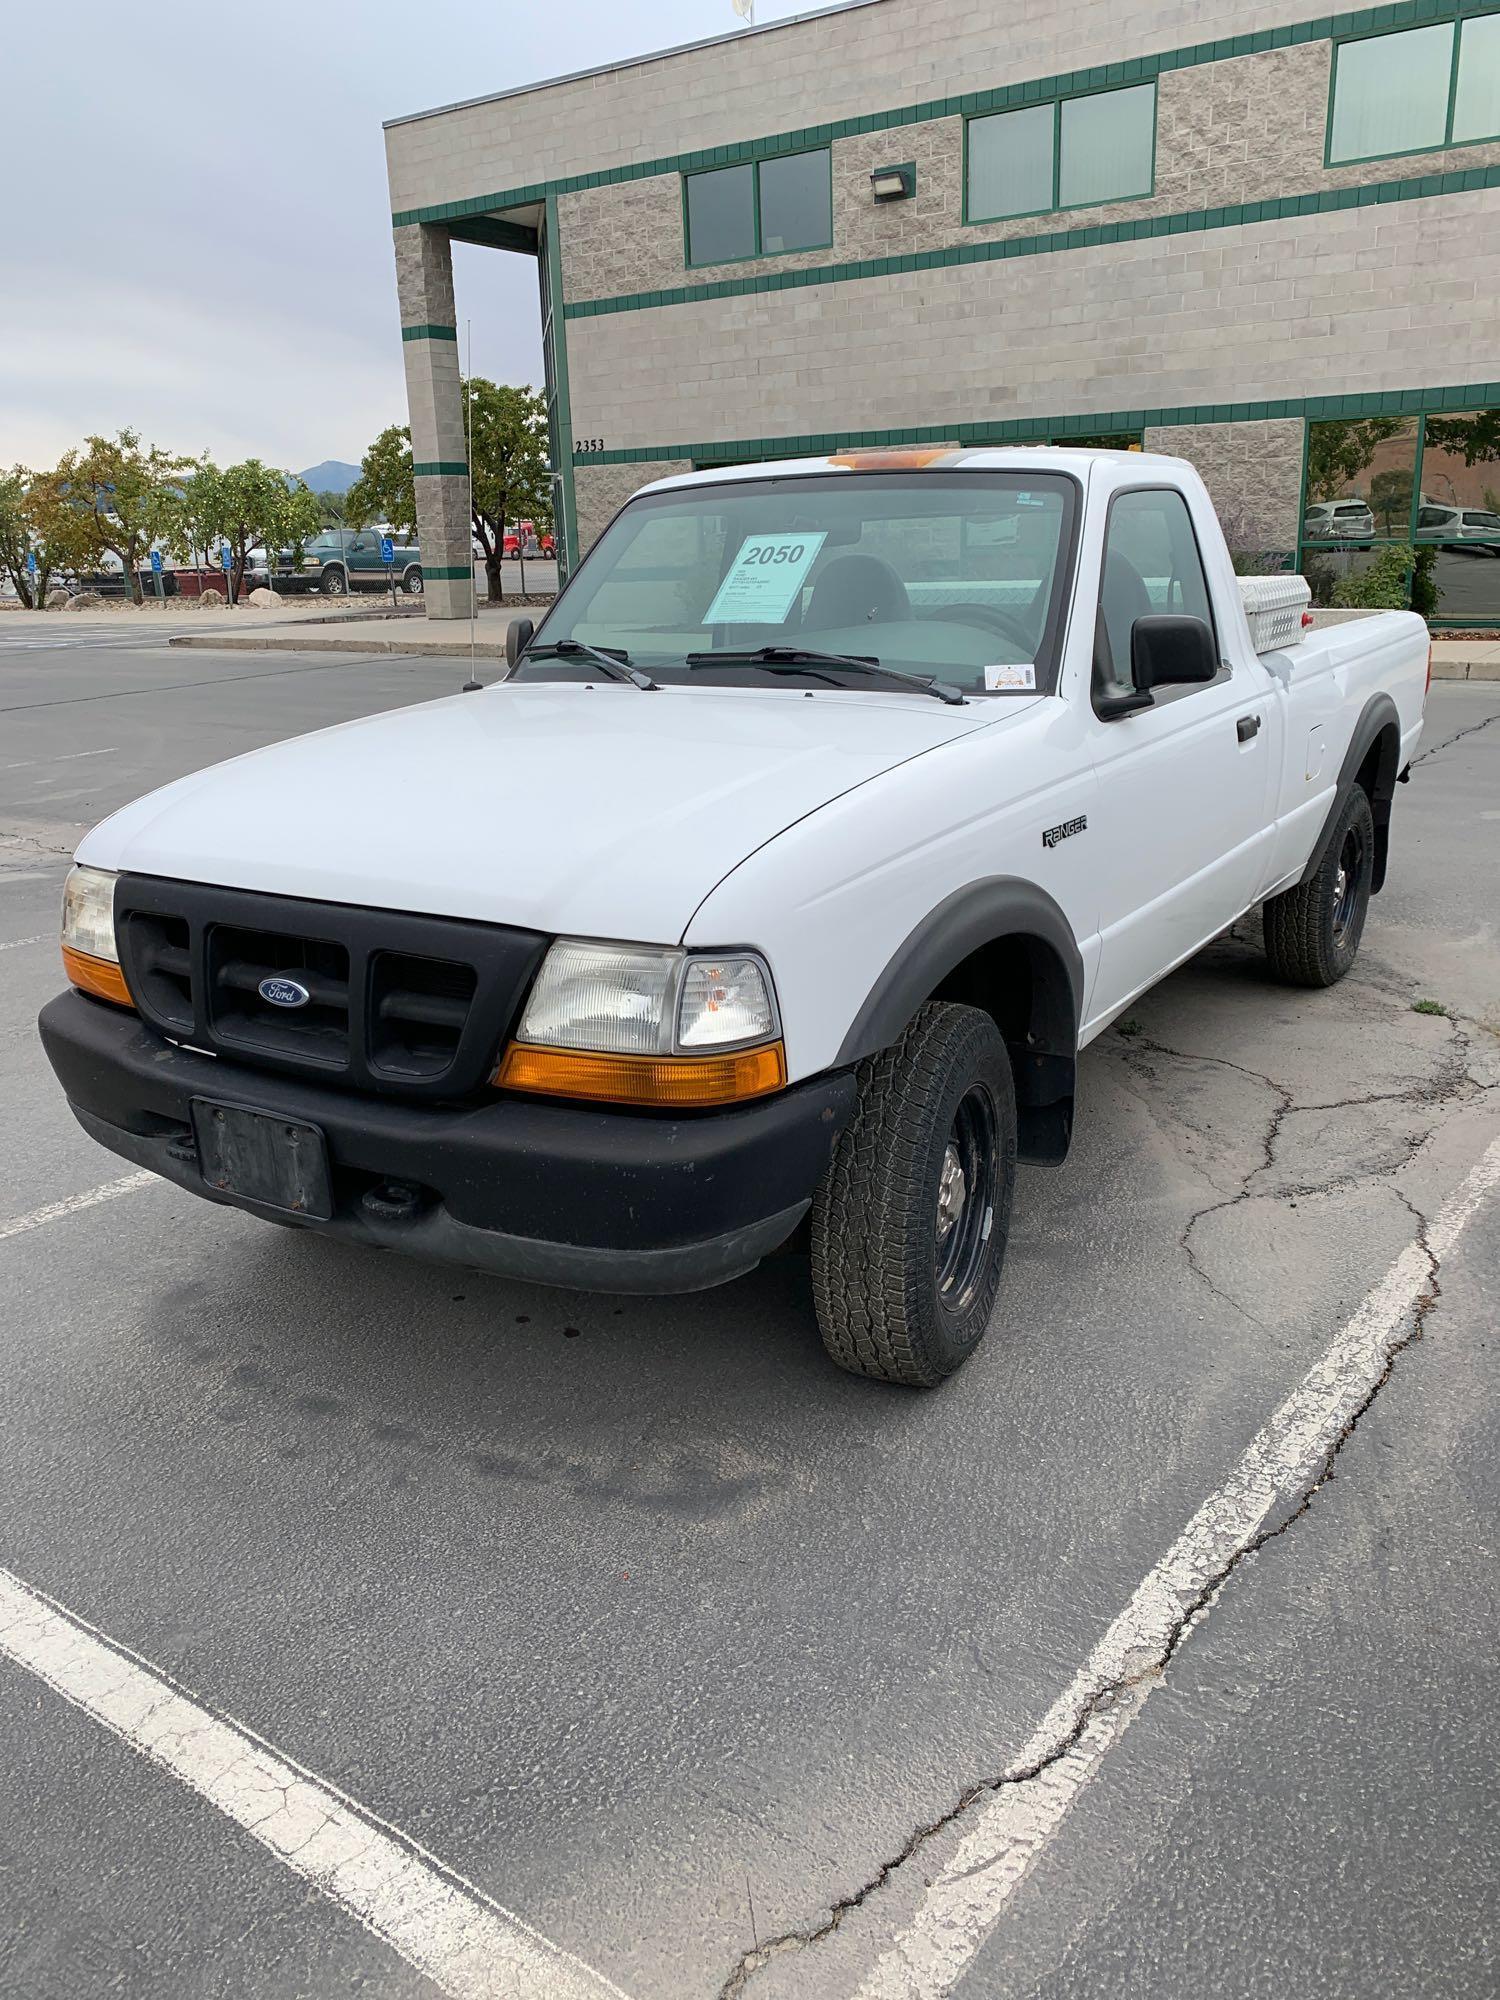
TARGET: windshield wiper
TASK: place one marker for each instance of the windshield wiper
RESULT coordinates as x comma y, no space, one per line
805,660
615,663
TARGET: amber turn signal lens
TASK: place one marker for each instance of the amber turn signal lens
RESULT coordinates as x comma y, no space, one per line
687,1083
99,976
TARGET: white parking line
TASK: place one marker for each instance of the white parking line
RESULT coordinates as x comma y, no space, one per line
445,1927
71,1204
14,944
966,1898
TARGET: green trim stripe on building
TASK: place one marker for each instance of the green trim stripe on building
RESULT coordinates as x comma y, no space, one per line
446,573
440,468
1373,194
1037,90
429,332
1085,423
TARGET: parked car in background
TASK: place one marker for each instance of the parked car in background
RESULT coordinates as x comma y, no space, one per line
1475,529
1338,521
344,559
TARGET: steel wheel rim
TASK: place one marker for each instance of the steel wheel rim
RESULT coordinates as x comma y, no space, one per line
1346,883
964,1210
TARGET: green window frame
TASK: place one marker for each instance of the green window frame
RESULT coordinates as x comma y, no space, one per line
1485,49
1057,108
757,232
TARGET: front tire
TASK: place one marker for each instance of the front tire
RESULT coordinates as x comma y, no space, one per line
334,583
411,583
909,1224
1312,932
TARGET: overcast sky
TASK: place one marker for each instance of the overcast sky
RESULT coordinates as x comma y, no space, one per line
199,242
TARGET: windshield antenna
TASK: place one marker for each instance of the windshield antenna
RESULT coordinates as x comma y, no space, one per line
472,684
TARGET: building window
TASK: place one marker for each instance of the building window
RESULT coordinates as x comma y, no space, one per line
1405,509
762,209
1072,154
1416,91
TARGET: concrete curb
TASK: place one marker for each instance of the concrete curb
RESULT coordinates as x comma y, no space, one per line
322,642
1465,670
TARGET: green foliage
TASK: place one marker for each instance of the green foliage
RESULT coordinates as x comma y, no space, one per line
1384,584
385,489
1338,451
1473,437
41,515
1430,1007
511,477
129,490
1390,498
242,505
1424,587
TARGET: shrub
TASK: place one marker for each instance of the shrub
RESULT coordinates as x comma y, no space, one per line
1382,585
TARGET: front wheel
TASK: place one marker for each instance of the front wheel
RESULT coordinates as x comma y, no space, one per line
909,1224
333,582
1312,932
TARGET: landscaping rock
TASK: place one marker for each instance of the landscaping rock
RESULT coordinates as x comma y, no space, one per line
57,600
264,596
85,600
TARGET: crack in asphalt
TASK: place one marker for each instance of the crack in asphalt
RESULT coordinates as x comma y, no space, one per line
1451,1082
1471,729
1121,1687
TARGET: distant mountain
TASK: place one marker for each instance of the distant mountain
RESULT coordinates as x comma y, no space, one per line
332,476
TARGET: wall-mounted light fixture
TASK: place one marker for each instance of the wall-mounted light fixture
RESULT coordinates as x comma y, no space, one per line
894,183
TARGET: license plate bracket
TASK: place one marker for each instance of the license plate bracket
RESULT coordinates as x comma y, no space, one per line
278,1162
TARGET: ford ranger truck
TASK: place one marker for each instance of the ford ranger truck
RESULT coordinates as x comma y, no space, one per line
772,894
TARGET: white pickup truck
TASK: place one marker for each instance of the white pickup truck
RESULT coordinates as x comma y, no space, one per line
771,895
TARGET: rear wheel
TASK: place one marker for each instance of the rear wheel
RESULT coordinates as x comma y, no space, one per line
1312,932
910,1222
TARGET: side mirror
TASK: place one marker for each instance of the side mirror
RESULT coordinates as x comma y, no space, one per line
517,636
1171,651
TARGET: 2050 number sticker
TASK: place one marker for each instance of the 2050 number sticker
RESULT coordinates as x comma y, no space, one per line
764,579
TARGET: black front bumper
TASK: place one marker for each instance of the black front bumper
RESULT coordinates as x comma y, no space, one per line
557,1193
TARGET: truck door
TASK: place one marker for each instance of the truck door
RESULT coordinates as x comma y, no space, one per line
1184,783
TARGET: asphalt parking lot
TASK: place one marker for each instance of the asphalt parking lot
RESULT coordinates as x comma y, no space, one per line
1154,1654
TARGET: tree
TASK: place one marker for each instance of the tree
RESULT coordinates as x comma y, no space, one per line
385,489
40,516
509,452
191,514
241,505
510,470
129,492
1390,497
1338,451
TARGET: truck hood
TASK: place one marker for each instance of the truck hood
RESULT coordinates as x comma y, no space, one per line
598,811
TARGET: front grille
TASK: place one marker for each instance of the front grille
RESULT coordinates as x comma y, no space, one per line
398,1003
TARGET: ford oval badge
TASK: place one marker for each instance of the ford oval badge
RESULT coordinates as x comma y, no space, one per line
283,992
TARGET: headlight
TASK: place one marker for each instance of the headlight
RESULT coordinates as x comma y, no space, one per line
90,957
644,1024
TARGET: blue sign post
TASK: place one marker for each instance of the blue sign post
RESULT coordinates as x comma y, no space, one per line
31,571
226,557
156,573
388,557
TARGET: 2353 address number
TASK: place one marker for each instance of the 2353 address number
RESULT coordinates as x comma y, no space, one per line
582,446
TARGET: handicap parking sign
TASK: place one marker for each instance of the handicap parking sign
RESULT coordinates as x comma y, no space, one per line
387,549
156,561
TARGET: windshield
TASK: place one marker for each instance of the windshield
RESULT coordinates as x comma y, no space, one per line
956,575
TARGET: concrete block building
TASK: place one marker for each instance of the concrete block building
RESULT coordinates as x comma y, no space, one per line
1267,242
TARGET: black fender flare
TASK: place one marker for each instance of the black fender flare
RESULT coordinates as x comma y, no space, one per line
1379,721
989,912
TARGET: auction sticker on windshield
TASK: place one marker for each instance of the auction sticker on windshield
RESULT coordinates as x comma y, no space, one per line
764,579
998,678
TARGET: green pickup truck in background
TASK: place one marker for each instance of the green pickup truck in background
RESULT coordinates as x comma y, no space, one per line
344,559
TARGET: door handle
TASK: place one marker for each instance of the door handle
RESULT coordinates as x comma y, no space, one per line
1246,727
